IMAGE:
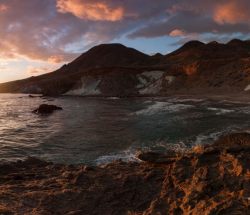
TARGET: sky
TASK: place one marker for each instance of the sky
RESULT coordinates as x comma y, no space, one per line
39,36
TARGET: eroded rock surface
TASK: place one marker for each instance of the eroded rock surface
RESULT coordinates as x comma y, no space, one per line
212,179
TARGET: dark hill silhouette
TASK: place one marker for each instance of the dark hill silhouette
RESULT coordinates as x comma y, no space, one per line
196,50
116,70
111,55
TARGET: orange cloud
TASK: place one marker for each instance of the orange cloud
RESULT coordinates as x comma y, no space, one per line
96,11
3,8
3,65
56,59
177,33
35,70
232,13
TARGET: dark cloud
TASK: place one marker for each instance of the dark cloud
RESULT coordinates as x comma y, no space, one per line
190,23
56,30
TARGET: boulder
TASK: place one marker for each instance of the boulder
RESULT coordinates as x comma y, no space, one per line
158,158
46,109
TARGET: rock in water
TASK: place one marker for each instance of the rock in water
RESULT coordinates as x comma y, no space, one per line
46,109
158,158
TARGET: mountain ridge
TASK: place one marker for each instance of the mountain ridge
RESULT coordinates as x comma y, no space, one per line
116,70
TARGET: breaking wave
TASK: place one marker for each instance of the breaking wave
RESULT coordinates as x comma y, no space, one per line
128,155
220,111
163,107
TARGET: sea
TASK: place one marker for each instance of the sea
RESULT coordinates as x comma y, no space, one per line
96,131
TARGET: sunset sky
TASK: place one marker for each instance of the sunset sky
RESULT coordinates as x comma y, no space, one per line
38,36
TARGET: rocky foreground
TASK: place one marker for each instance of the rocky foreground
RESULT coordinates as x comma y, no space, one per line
213,179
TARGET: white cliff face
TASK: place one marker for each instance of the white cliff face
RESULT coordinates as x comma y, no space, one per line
153,75
153,88
88,87
247,88
170,79
32,88
150,82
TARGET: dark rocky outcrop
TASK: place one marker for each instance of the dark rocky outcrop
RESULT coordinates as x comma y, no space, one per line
209,179
46,109
158,158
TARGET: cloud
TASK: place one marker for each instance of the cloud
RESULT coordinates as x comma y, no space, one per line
3,65
36,70
177,33
232,12
91,10
34,30
56,59
3,8
57,31
199,17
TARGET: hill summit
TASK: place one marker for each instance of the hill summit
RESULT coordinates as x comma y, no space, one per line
107,55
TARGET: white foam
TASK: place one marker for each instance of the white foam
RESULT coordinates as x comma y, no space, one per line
126,156
157,107
220,111
168,146
186,100
130,155
207,138
113,98
244,110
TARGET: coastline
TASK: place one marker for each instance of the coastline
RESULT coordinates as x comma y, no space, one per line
207,179
233,97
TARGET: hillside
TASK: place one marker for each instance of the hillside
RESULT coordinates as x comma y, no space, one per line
116,70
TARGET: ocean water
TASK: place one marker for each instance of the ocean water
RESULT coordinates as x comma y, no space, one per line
99,130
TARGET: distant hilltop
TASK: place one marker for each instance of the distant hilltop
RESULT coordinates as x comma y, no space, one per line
116,70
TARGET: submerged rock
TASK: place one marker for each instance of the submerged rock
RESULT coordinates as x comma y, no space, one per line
46,109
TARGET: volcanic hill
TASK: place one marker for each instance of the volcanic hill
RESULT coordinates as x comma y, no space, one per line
116,70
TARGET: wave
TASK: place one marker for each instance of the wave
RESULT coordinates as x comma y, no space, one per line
244,110
113,98
187,100
220,111
128,155
163,107
165,145
207,138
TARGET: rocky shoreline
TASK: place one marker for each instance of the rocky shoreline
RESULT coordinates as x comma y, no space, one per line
212,179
